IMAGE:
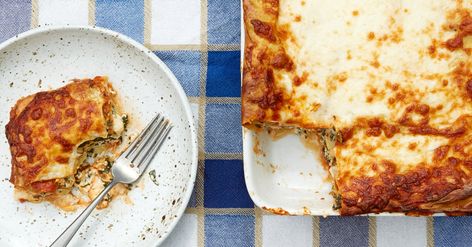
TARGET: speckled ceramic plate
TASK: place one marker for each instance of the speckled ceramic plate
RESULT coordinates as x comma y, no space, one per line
46,58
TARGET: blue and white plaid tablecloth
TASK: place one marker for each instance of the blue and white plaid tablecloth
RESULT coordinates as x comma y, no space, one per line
200,41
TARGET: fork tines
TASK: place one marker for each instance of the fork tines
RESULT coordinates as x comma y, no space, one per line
145,146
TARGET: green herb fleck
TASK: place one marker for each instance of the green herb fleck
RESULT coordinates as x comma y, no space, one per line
125,121
337,202
107,167
90,153
152,176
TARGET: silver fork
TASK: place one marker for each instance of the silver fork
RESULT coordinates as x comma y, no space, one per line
127,169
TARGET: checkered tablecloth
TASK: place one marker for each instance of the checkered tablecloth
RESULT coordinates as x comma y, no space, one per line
200,41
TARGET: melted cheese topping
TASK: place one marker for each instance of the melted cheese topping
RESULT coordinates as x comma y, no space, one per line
359,58
392,78
46,128
52,135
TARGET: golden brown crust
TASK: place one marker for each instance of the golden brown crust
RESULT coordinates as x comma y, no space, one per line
44,128
464,29
442,183
263,55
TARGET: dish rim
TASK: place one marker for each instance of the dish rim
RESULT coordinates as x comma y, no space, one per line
247,142
248,151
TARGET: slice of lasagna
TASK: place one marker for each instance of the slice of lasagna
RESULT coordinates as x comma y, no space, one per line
386,84
63,143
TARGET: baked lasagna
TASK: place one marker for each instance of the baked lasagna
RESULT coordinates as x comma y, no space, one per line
63,143
386,85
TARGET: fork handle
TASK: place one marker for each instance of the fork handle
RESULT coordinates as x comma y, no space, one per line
69,233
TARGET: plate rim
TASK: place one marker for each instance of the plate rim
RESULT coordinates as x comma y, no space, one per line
174,81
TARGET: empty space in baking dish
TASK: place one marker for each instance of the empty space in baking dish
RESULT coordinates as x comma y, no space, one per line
285,176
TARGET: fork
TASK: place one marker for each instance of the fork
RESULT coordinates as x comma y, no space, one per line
128,168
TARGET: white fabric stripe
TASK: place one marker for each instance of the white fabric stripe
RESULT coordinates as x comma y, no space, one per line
63,12
175,22
195,108
185,232
401,231
295,231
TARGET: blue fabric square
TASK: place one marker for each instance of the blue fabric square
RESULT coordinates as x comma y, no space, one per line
453,231
225,186
223,128
224,22
229,230
224,75
344,231
15,18
124,16
186,67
